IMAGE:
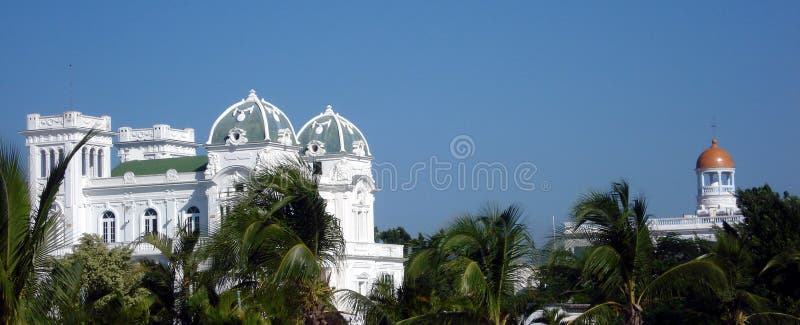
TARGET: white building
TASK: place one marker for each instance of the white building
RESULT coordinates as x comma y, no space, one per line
162,184
716,200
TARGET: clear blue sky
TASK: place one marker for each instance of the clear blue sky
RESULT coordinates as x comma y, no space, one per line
587,91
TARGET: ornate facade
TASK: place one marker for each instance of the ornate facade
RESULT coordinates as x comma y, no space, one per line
162,184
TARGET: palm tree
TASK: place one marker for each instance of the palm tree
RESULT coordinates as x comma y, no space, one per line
174,278
28,233
551,316
490,255
620,261
279,240
383,305
739,304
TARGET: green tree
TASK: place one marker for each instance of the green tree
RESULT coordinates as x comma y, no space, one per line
490,255
770,231
106,290
278,245
739,303
397,235
621,259
29,235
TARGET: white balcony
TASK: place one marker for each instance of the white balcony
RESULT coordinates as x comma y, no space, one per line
719,189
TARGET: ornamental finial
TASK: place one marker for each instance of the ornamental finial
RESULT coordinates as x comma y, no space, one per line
329,109
252,95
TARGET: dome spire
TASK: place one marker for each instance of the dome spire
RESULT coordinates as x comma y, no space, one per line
329,109
252,96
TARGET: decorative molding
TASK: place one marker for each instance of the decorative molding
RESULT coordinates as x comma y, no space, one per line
315,148
172,175
236,136
129,178
262,158
213,165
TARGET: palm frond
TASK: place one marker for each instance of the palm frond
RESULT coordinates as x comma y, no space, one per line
298,263
603,263
698,275
772,318
602,313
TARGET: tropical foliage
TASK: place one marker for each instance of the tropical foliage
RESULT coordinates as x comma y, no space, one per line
271,259
30,235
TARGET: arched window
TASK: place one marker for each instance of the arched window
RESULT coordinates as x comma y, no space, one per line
61,155
43,163
150,221
100,163
52,160
91,161
83,162
109,227
193,219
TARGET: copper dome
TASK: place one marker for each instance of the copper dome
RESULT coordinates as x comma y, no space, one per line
714,157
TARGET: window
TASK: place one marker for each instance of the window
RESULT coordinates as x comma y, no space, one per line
52,160
317,168
83,162
91,161
100,163
193,219
109,227
727,178
43,163
61,156
150,221
387,278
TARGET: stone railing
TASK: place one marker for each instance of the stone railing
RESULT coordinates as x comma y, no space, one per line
374,249
67,120
721,189
694,221
138,250
157,132
686,223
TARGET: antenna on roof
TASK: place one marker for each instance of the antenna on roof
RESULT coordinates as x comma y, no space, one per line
714,127
69,90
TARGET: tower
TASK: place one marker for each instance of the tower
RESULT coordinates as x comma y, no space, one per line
49,140
715,182
343,162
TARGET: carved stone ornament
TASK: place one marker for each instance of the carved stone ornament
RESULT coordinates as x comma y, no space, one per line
129,178
236,136
239,113
285,137
315,148
213,164
262,158
359,148
172,175
341,171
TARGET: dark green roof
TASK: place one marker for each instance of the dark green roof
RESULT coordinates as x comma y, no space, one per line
161,166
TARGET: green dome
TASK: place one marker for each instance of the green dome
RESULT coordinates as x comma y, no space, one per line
329,132
252,120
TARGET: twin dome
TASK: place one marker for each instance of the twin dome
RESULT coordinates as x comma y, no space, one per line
256,120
